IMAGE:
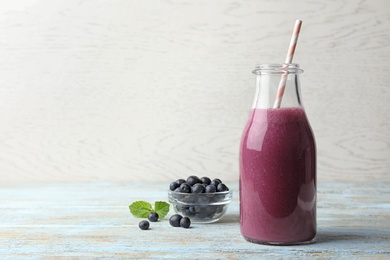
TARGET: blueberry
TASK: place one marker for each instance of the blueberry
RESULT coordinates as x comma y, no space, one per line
185,222
193,180
174,220
177,189
153,216
173,185
206,199
144,225
215,182
180,208
222,187
210,189
210,211
194,209
219,209
185,187
189,198
205,180
218,180
197,188
187,212
180,181
201,214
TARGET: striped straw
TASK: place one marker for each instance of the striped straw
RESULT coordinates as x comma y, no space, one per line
289,58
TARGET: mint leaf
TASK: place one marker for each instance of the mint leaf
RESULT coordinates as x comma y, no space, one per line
140,209
162,208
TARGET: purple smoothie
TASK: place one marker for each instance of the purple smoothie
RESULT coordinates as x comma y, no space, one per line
278,177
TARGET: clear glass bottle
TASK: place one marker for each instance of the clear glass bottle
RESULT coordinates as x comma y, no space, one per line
278,163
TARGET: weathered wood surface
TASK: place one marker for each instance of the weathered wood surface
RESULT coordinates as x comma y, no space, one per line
93,220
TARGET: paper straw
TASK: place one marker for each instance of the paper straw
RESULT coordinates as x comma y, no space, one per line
289,58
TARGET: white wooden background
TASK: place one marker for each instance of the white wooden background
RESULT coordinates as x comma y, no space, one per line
154,90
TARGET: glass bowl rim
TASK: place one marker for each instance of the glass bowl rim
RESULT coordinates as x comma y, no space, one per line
201,194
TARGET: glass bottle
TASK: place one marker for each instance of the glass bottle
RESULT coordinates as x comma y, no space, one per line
278,163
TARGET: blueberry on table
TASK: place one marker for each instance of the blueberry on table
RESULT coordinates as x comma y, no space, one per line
191,180
205,180
210,189
197,188
185,222
185,187
153,216
144,225
222,187
174,220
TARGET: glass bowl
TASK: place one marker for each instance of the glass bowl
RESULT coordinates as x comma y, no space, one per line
201,207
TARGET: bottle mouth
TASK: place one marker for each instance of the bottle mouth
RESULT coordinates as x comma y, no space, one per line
277,68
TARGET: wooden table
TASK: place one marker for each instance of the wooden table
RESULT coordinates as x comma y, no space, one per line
93,220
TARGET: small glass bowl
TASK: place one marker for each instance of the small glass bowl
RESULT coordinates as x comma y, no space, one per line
201,207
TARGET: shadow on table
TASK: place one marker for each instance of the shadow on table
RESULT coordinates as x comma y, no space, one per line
327,236
337,236
230,218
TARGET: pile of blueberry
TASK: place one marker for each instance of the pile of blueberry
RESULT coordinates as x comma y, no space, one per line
178,220
194,184
200,199
175,220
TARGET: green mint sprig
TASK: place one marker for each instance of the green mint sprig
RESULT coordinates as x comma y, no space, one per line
141,209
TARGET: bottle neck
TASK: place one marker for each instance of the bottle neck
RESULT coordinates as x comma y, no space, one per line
268,86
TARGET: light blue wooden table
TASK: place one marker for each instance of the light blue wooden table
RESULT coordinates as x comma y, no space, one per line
93,220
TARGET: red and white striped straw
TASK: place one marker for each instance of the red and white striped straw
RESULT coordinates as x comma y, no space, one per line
289,58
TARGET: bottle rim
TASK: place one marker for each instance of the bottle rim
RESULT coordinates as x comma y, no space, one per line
277,68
